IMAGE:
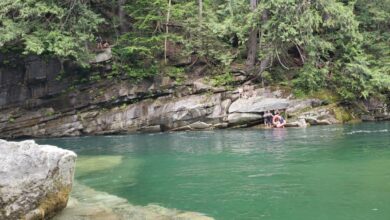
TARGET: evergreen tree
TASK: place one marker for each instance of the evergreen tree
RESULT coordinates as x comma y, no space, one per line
341,45
60,28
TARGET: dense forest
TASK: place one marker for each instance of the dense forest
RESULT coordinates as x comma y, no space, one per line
341,46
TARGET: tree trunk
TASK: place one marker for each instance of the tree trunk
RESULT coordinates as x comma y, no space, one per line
167,31
200,10
267,60
252,42
122,17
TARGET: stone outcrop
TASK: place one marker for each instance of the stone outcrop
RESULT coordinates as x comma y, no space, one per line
301,123
303,114
104,56
298,106
35,180
375,110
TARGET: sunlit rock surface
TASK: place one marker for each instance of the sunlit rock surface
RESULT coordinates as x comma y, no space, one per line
35,180
258,105
89,204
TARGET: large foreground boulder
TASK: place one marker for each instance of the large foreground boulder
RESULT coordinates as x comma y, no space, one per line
35,180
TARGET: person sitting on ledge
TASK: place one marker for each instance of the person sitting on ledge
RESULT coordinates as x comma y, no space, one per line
278,121
105,44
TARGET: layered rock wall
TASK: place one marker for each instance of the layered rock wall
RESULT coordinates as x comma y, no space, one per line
162,111
35,103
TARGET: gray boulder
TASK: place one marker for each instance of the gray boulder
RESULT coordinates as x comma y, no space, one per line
199,125
311,120
104,56
258,105
324,122
35,180
301,122
302,105
314,121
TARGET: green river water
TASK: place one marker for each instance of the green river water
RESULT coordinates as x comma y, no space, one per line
330,172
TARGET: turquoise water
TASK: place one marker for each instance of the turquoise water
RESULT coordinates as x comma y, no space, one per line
329,172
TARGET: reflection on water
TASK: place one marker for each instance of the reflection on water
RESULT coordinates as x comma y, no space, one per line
330,172
279,134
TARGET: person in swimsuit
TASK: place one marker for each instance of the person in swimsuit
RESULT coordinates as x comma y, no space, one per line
278,120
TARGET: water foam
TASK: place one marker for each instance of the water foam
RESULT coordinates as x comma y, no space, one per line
368,131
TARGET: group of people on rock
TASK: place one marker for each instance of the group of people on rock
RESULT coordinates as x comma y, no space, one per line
274,121
101,44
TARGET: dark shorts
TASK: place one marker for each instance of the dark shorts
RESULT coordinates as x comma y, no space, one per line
268,120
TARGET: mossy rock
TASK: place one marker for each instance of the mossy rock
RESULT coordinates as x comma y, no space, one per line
341,114
327,96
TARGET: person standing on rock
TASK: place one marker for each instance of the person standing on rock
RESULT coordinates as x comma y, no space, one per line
99,42
268,119
278,120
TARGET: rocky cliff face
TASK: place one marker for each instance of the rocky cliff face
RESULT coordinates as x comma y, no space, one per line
161,110
35,181
33,103
27,82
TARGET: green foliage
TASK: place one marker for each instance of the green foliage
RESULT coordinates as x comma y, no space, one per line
49,113
137,53
95,77
60,28
224,79
177,73
136,73
137,50
206,35
374,18
313,45
330,43
11,119
311,78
